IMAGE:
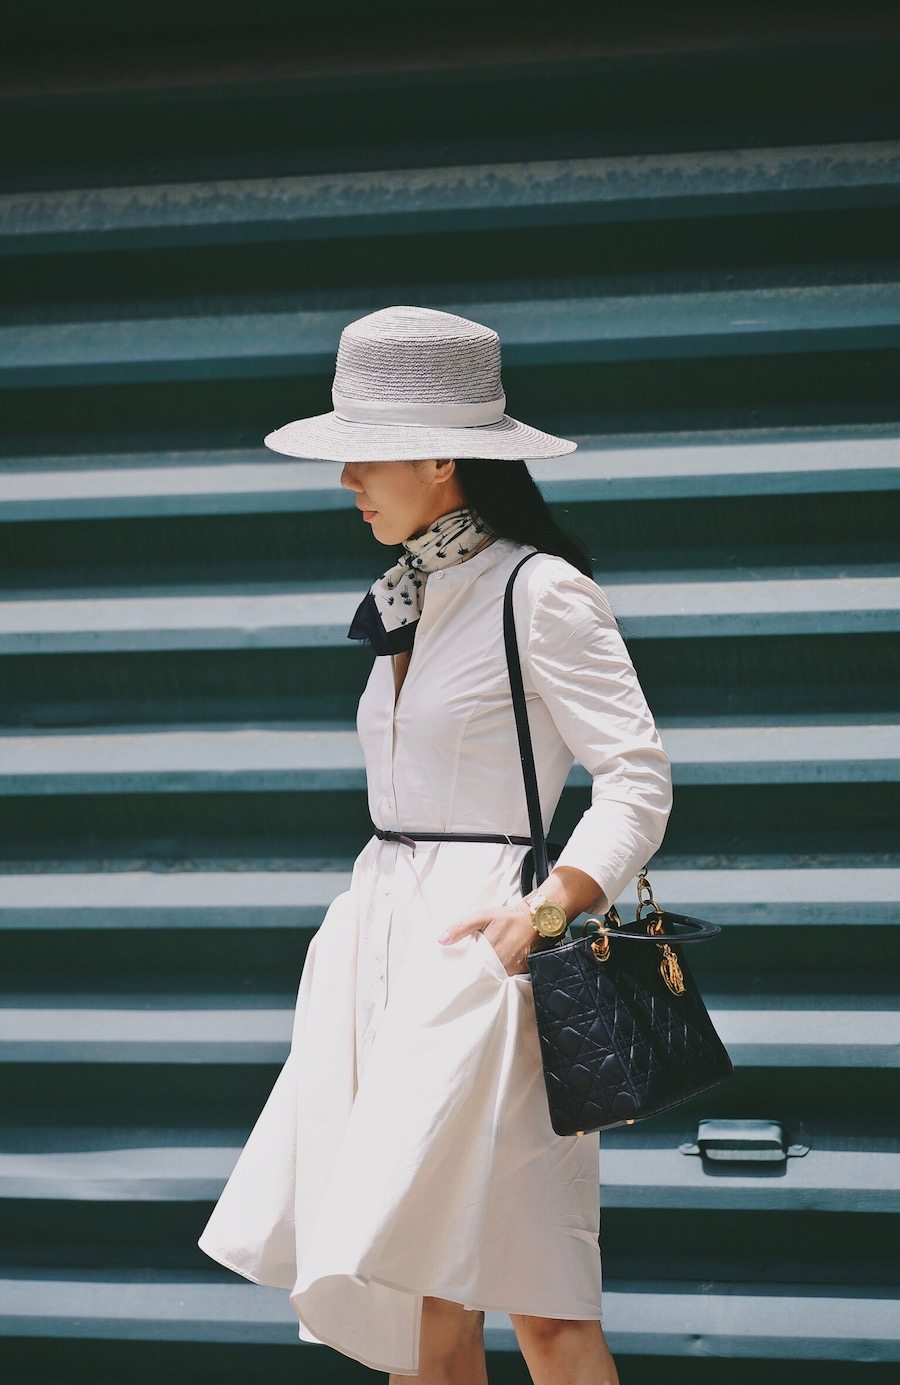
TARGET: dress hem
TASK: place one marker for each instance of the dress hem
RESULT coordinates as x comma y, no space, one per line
353,1356
254,1279
452,1297
450,1294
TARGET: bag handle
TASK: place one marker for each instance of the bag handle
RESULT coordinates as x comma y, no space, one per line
684,929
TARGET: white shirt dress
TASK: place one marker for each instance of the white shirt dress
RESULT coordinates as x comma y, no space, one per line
406,1147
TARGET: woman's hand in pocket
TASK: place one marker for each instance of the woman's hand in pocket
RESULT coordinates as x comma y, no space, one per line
508,929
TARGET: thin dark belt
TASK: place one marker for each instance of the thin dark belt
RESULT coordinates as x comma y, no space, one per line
410,838
526,870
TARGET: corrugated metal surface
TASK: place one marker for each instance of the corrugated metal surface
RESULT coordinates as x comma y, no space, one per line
687,236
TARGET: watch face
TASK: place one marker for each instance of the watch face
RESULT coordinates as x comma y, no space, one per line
550,919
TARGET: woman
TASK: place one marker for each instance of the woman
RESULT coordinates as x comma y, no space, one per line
403,1176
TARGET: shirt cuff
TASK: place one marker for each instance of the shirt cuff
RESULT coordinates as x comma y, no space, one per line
607,845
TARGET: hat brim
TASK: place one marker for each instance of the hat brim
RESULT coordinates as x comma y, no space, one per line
329,438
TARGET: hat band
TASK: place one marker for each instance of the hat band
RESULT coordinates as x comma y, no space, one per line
421,415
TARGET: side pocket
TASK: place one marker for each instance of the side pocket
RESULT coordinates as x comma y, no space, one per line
492,958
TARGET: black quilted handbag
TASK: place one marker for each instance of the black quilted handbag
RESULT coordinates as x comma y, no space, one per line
623,1029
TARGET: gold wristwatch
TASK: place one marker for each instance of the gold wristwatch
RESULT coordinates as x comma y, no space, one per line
549,918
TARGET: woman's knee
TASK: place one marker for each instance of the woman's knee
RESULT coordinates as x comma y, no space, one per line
449,1329
550,1333
559,1349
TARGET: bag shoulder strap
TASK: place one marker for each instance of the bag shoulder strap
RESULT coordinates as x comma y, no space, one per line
526,751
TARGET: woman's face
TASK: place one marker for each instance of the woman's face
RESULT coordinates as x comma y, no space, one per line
401,499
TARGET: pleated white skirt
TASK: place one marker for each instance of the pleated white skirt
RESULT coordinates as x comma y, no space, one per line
406,1148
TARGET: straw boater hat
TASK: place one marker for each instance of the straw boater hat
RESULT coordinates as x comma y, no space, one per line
412,383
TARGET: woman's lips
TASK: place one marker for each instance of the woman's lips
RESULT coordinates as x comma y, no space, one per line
367,514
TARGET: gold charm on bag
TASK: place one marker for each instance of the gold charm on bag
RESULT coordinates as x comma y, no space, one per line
669,967
671,971
600,943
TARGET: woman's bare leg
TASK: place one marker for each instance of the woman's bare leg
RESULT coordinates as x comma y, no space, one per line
562,1352
451,1347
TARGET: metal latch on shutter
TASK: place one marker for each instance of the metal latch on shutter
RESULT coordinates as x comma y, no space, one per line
742,1142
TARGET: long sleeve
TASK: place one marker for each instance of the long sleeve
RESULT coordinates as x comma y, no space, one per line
578,664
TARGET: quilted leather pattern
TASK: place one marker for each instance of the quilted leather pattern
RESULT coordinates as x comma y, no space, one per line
616,1043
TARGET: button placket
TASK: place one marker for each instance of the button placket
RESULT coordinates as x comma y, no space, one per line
421,627
380,910
382,907
373,970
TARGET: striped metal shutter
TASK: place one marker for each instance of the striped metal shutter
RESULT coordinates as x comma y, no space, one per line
685,230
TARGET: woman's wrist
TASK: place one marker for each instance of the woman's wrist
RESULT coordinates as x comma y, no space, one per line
573,889
532,939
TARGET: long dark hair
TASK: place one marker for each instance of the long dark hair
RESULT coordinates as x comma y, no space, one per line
505,495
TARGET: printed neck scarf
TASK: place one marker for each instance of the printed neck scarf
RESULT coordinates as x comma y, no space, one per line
387,616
